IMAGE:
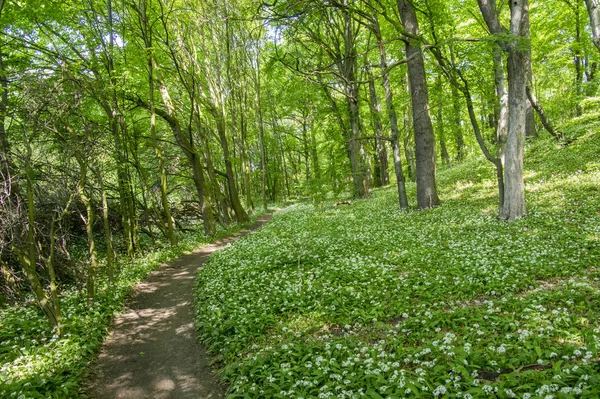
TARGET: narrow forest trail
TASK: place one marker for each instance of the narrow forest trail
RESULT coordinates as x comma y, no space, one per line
152,350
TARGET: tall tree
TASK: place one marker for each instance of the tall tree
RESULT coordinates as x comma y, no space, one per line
427,196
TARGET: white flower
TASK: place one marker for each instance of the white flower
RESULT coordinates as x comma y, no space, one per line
440,390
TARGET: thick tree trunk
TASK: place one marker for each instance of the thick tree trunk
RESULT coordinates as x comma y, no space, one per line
355,147
424,138
518,61
593,7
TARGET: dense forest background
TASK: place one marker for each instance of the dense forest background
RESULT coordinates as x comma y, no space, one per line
124,124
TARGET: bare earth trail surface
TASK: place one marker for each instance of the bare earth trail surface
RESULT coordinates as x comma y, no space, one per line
152,350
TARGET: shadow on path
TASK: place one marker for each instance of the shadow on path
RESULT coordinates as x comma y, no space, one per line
152,350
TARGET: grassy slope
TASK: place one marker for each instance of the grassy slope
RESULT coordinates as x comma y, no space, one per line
34,363
365,300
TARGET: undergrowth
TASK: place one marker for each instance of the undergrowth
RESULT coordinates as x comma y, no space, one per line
36,363
368,301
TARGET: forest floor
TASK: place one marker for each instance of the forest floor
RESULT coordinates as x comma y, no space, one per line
152,349
367,301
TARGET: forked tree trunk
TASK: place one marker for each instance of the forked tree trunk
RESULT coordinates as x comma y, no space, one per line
240,214
28,256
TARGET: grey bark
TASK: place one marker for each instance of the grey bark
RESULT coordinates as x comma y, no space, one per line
593,8
424,138
518,61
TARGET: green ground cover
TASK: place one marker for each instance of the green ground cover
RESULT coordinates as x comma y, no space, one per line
35,363
368,301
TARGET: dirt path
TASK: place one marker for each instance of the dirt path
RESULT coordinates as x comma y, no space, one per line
152,350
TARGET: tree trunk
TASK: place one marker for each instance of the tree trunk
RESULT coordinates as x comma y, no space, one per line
89,228
347,65
240,214
261,137
593,7
107,232
247,186
424,138
389,102
28,257
408,142
147,35
518,61
440,121
381,156
456,119
577,59
502,99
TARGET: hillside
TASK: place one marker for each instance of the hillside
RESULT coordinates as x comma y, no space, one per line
368,301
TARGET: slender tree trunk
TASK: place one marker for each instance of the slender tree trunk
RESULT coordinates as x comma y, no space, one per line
440,120
313,150
381,156
408,143
170,232
577,59
28,257
89,228
530,129
542,114
456,118
389,102
261,136
53,285
502,99
240,214
107,232
424,138
247,186
306,153
5,161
